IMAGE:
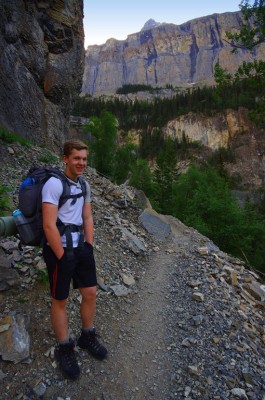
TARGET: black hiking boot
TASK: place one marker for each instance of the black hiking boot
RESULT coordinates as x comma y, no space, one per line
65,357
89,341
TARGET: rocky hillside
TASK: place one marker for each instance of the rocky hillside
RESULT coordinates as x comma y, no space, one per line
168,54
42,61
180,318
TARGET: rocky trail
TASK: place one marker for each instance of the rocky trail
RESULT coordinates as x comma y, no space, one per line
180,318
138,365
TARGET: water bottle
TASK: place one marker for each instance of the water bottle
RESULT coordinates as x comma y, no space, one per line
24,227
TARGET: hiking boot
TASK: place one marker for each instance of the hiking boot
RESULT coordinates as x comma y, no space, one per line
65,357
89,341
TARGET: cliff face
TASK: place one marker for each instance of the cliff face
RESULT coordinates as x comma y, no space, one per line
230,130
213,132
167,54
41,66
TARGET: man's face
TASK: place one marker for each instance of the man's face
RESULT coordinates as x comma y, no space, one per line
75,163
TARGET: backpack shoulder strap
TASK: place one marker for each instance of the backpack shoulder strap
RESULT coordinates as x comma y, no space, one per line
83,185
66,194
57,173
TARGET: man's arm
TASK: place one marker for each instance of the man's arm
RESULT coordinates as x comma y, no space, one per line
49,217
88,223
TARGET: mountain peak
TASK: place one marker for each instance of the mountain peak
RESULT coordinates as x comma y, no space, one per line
150,24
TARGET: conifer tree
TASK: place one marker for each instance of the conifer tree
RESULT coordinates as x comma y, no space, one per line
165,175
103,146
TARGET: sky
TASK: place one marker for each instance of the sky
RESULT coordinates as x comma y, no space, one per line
105,19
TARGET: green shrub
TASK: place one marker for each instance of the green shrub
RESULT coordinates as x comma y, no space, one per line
4,200
10,137
48,157
43,276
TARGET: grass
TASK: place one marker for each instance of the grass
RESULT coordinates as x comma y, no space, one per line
43,276
9,137
4,199
48,157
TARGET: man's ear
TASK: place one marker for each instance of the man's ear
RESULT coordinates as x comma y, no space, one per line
64,158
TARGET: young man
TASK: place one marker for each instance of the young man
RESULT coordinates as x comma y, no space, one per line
74,262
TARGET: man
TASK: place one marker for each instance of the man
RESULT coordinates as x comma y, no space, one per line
74,262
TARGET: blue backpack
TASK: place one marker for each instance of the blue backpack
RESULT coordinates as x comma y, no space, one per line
29,216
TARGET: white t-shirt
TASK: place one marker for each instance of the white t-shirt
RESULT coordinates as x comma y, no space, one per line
71,211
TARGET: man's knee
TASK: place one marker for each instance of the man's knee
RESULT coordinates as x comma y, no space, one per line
59,304
88,293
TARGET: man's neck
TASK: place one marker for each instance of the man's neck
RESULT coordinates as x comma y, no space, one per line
72,178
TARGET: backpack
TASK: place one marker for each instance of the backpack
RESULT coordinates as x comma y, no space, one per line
29,216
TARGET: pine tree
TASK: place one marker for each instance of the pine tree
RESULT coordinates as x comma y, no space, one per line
103,146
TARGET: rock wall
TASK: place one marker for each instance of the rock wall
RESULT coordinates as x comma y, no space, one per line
233,130
165,55
41,67
213,132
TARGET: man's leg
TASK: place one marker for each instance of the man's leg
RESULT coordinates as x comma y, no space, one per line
59,319
88,339
88,306
64,353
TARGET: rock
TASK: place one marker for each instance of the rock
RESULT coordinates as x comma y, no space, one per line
194,283
188,342
8,278
39,389
9,245
203,250
255,290
193,370
247,376
102,284
119,290
197,320
198,296
10,150
132,242
2,375
14,341
240,393
41,265
128,279
155,224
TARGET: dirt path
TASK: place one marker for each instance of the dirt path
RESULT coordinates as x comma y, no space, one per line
138,366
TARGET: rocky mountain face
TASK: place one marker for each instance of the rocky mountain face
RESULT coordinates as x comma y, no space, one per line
229,130
167,54
41,66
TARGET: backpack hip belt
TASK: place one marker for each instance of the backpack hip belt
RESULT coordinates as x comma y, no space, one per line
67,229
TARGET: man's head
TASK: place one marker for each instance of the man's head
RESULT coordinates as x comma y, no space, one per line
73,144
75,158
